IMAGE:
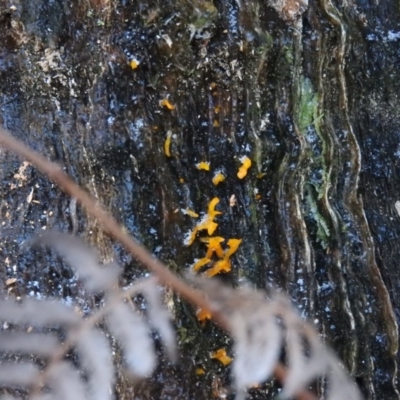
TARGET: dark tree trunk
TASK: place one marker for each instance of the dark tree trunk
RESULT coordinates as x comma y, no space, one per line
312,101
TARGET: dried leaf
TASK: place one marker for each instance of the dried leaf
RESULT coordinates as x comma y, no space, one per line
258,327
39,344
63,379
160,320
258,342
82,259
96,359
134,336
37,313
303,368
18,375
65,382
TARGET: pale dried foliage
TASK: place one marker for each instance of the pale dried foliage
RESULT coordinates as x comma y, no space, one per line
36,326
261,329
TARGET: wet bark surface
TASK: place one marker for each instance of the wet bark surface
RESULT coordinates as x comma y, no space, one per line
313,102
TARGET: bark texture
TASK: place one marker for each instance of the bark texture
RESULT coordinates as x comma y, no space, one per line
311,98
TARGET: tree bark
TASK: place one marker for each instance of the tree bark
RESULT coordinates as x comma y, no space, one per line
311,99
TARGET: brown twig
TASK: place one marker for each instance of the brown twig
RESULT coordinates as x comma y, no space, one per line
110,225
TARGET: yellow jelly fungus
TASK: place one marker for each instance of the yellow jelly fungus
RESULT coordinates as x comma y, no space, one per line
134,64
217,109
221,356
203,315
218,178
215,124
181,180
258,196
223,265
191,213
200,263
200,371
246,164
211,208
233,246
214,246
208,225
203,165
190,237
167,144
167,104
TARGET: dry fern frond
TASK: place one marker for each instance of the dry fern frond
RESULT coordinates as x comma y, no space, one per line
97,362
61,379
83,259
65,382
133,334
43,345
259,326
160,320
17,375
37,313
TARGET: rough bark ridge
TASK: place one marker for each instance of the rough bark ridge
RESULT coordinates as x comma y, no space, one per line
312,101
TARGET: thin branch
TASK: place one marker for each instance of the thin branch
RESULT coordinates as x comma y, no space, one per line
110,225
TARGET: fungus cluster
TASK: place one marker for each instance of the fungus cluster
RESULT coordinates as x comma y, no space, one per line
217,259
214,243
